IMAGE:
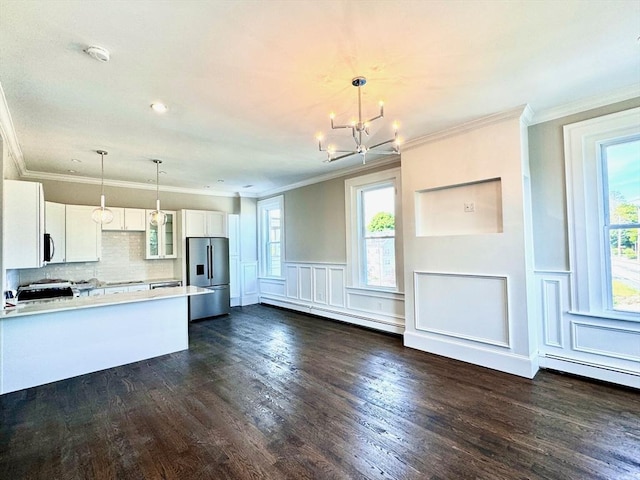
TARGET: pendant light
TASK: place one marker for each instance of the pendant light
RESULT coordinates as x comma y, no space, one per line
102,215
157,217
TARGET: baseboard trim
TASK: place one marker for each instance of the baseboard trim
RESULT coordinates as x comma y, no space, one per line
249,300
598,372
502,361
335,315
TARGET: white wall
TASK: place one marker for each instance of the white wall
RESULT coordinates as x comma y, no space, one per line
468,296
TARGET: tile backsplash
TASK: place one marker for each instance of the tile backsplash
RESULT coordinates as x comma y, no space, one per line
122,260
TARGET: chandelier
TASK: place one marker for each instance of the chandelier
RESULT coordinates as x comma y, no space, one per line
358,128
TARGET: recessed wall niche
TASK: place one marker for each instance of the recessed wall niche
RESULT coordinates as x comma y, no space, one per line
464,209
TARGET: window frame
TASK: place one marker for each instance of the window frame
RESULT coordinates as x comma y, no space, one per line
356,266
584,143
264,207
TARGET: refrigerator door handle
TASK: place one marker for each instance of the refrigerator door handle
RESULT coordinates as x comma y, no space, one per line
211,264
208,262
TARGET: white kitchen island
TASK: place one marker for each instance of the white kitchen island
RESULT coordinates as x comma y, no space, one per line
49,341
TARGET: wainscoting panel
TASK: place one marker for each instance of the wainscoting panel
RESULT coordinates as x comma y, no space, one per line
619,343
234,277
272,287
320,282
249,293
320,289
336,287
552,312
376,303
249,278
305,286
291,279
469,307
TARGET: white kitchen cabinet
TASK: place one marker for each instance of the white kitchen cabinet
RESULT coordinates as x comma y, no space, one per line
138,288
23,224
55,226
83,235
112,290
203,223
118,289
161,240
127,219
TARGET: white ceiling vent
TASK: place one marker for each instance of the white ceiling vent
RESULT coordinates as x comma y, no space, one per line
99,53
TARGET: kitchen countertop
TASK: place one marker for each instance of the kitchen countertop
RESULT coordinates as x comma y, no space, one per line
74,303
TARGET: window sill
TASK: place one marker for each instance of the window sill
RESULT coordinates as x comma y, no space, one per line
626,317
390,291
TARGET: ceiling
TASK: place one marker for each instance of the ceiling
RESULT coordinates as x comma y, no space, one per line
249,84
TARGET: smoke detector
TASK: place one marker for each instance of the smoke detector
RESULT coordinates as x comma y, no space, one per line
99,53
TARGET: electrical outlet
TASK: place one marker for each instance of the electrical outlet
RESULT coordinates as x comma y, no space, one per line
469,207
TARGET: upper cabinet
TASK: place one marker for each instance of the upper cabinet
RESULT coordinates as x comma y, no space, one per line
23,224
161,239
55,225
127,219
202,223
83,235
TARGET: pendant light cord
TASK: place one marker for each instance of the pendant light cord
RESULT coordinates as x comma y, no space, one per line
102,173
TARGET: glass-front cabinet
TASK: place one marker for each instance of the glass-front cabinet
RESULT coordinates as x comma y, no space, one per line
161,239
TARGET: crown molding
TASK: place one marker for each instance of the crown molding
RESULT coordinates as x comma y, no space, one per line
522,111
589,103
330,176
8,133
527,115
57,177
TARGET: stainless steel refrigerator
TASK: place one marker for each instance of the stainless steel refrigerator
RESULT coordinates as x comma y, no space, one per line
208,267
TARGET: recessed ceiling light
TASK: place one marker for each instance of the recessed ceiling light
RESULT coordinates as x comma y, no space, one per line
159,107
220,180
247,186
162,172
71,171
75,160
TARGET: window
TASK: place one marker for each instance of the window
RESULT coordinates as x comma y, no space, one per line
602,158
621,198
377,235
271,235
371,230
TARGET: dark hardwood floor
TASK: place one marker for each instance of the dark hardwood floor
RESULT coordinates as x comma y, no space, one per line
270,394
